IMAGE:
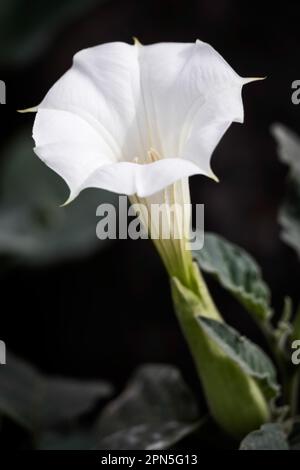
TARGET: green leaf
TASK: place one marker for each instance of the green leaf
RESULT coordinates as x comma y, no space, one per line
33,228
27,28
38,402
289,214
237,272
154,412
268,437
246,354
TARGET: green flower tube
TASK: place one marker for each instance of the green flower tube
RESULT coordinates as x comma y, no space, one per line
235,399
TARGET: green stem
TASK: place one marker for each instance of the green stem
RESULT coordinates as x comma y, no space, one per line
188,273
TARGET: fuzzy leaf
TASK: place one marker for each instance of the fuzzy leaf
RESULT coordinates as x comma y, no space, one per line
246,354
237,272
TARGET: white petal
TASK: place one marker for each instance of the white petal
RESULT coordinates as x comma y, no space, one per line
143,180
103,88
72,148
118,101
192,95
69,145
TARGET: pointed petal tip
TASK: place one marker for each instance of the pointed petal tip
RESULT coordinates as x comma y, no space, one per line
252,79
28,110
198,42
68,201
136,42
214,177
64,204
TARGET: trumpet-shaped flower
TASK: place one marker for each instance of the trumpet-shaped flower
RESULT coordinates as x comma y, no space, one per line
120,104
139,120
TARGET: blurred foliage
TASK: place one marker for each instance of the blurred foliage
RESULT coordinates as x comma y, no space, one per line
33,228
268,437
155,410
27,27
289,216
38,403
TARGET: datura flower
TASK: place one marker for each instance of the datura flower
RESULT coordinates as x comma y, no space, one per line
139,120
119,104
135,119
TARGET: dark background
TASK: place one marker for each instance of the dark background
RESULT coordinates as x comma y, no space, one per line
103,315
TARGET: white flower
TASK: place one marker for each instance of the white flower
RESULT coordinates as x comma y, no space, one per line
120,104
139,120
